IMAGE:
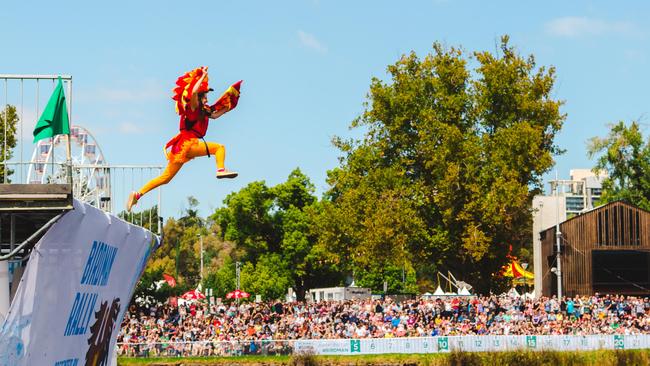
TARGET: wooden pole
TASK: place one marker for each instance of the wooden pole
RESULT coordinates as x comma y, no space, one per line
68,150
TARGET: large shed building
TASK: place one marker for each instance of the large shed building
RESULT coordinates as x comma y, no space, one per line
605,250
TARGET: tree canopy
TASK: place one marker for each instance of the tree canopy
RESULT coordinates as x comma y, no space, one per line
273,229
444,176
624,156
7,138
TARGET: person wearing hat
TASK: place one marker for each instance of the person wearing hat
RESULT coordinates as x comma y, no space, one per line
191,99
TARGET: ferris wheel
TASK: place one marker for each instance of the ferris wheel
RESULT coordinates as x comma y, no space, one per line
90,172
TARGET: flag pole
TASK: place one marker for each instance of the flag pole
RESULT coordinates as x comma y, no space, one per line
68,152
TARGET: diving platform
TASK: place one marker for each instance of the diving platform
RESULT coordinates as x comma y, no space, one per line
35,197
27,208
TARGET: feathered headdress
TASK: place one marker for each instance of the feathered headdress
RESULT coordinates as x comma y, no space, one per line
184,86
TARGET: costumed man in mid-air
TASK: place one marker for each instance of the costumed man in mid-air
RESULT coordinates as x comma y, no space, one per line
191,99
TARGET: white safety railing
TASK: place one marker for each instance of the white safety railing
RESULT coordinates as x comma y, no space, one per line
206,348
95,181
115,182
407,345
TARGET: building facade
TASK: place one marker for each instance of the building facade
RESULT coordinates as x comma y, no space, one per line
582,191
339,294
605,250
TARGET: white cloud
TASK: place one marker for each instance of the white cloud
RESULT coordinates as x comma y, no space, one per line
309,40
583,26
129,128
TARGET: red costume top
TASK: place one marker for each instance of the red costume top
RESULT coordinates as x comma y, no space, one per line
193,124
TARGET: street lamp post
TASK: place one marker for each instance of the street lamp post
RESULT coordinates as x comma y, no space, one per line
524,265
237,273
201,250
558,237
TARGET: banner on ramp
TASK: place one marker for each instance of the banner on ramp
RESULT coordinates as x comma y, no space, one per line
75,290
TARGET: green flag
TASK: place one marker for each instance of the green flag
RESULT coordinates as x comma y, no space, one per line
54,120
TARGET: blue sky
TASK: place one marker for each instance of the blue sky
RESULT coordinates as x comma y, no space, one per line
306,67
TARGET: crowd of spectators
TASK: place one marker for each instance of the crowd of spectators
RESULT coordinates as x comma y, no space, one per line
250,323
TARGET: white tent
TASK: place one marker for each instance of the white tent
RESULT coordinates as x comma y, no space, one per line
438,292
513,293
464,292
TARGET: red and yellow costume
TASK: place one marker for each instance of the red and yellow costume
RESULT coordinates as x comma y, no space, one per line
189,142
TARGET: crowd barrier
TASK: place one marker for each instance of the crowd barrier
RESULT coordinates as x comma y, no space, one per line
206,348
386,345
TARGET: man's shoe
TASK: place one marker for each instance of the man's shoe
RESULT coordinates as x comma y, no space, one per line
133,200
221,174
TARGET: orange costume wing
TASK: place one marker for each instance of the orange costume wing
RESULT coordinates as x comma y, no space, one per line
228,100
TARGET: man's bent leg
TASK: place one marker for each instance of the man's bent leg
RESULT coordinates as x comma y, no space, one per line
164,178
219,152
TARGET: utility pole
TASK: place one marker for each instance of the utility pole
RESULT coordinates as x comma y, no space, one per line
558,238
237,272
201,249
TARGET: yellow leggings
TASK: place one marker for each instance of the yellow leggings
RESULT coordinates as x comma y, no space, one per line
218,150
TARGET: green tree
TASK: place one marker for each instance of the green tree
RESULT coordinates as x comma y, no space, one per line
179,254
399,280
222,280
151,290
273,230
269,277
445,173
247,220
147,218
624,156
8,121
191,215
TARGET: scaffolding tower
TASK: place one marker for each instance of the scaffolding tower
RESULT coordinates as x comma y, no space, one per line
29,206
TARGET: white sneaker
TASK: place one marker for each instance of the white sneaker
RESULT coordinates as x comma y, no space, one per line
221,174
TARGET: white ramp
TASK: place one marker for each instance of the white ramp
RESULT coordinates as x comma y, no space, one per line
75,290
